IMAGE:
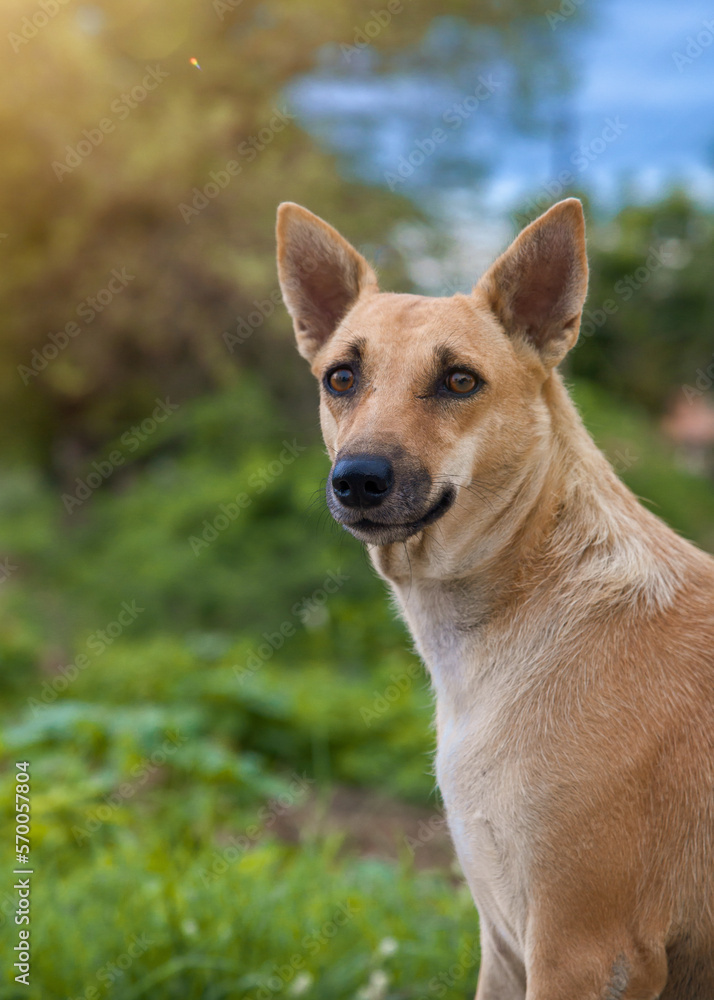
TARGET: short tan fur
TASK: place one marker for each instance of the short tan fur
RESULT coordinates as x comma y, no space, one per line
569,633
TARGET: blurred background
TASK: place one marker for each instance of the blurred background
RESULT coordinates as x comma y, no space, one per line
229,738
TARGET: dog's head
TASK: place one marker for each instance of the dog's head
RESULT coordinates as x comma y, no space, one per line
428,405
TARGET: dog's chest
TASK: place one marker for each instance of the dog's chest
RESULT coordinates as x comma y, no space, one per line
487,809
478,768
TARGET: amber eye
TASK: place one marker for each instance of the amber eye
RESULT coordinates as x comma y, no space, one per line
341,379
460,382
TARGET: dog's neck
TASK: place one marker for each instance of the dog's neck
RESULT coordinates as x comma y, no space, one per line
534,552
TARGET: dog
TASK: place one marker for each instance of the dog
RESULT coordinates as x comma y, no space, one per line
568,632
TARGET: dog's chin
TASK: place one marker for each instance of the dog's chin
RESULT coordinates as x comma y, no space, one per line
386,532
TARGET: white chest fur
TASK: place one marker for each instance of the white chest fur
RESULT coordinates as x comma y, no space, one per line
476,761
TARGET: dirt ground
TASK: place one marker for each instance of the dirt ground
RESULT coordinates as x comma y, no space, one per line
372,825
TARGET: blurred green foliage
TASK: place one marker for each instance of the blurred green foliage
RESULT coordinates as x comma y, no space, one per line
647,326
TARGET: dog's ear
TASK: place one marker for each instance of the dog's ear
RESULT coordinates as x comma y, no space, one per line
537,287
321,275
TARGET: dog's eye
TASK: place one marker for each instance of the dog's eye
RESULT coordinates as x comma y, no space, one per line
461,383
341,379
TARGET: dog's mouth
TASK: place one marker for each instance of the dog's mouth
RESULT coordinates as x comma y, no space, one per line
385,532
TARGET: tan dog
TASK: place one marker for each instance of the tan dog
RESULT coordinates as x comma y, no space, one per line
569,633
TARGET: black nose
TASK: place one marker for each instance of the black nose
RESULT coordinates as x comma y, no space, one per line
362,480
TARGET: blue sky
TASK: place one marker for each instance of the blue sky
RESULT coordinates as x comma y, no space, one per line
621,61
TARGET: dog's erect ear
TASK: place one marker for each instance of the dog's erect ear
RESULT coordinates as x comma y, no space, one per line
321,275
537,287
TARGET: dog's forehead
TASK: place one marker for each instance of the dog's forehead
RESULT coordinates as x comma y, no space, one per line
414,322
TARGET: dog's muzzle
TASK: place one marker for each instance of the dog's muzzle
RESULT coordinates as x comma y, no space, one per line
383,498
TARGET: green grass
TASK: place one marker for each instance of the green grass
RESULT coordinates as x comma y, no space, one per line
209,919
